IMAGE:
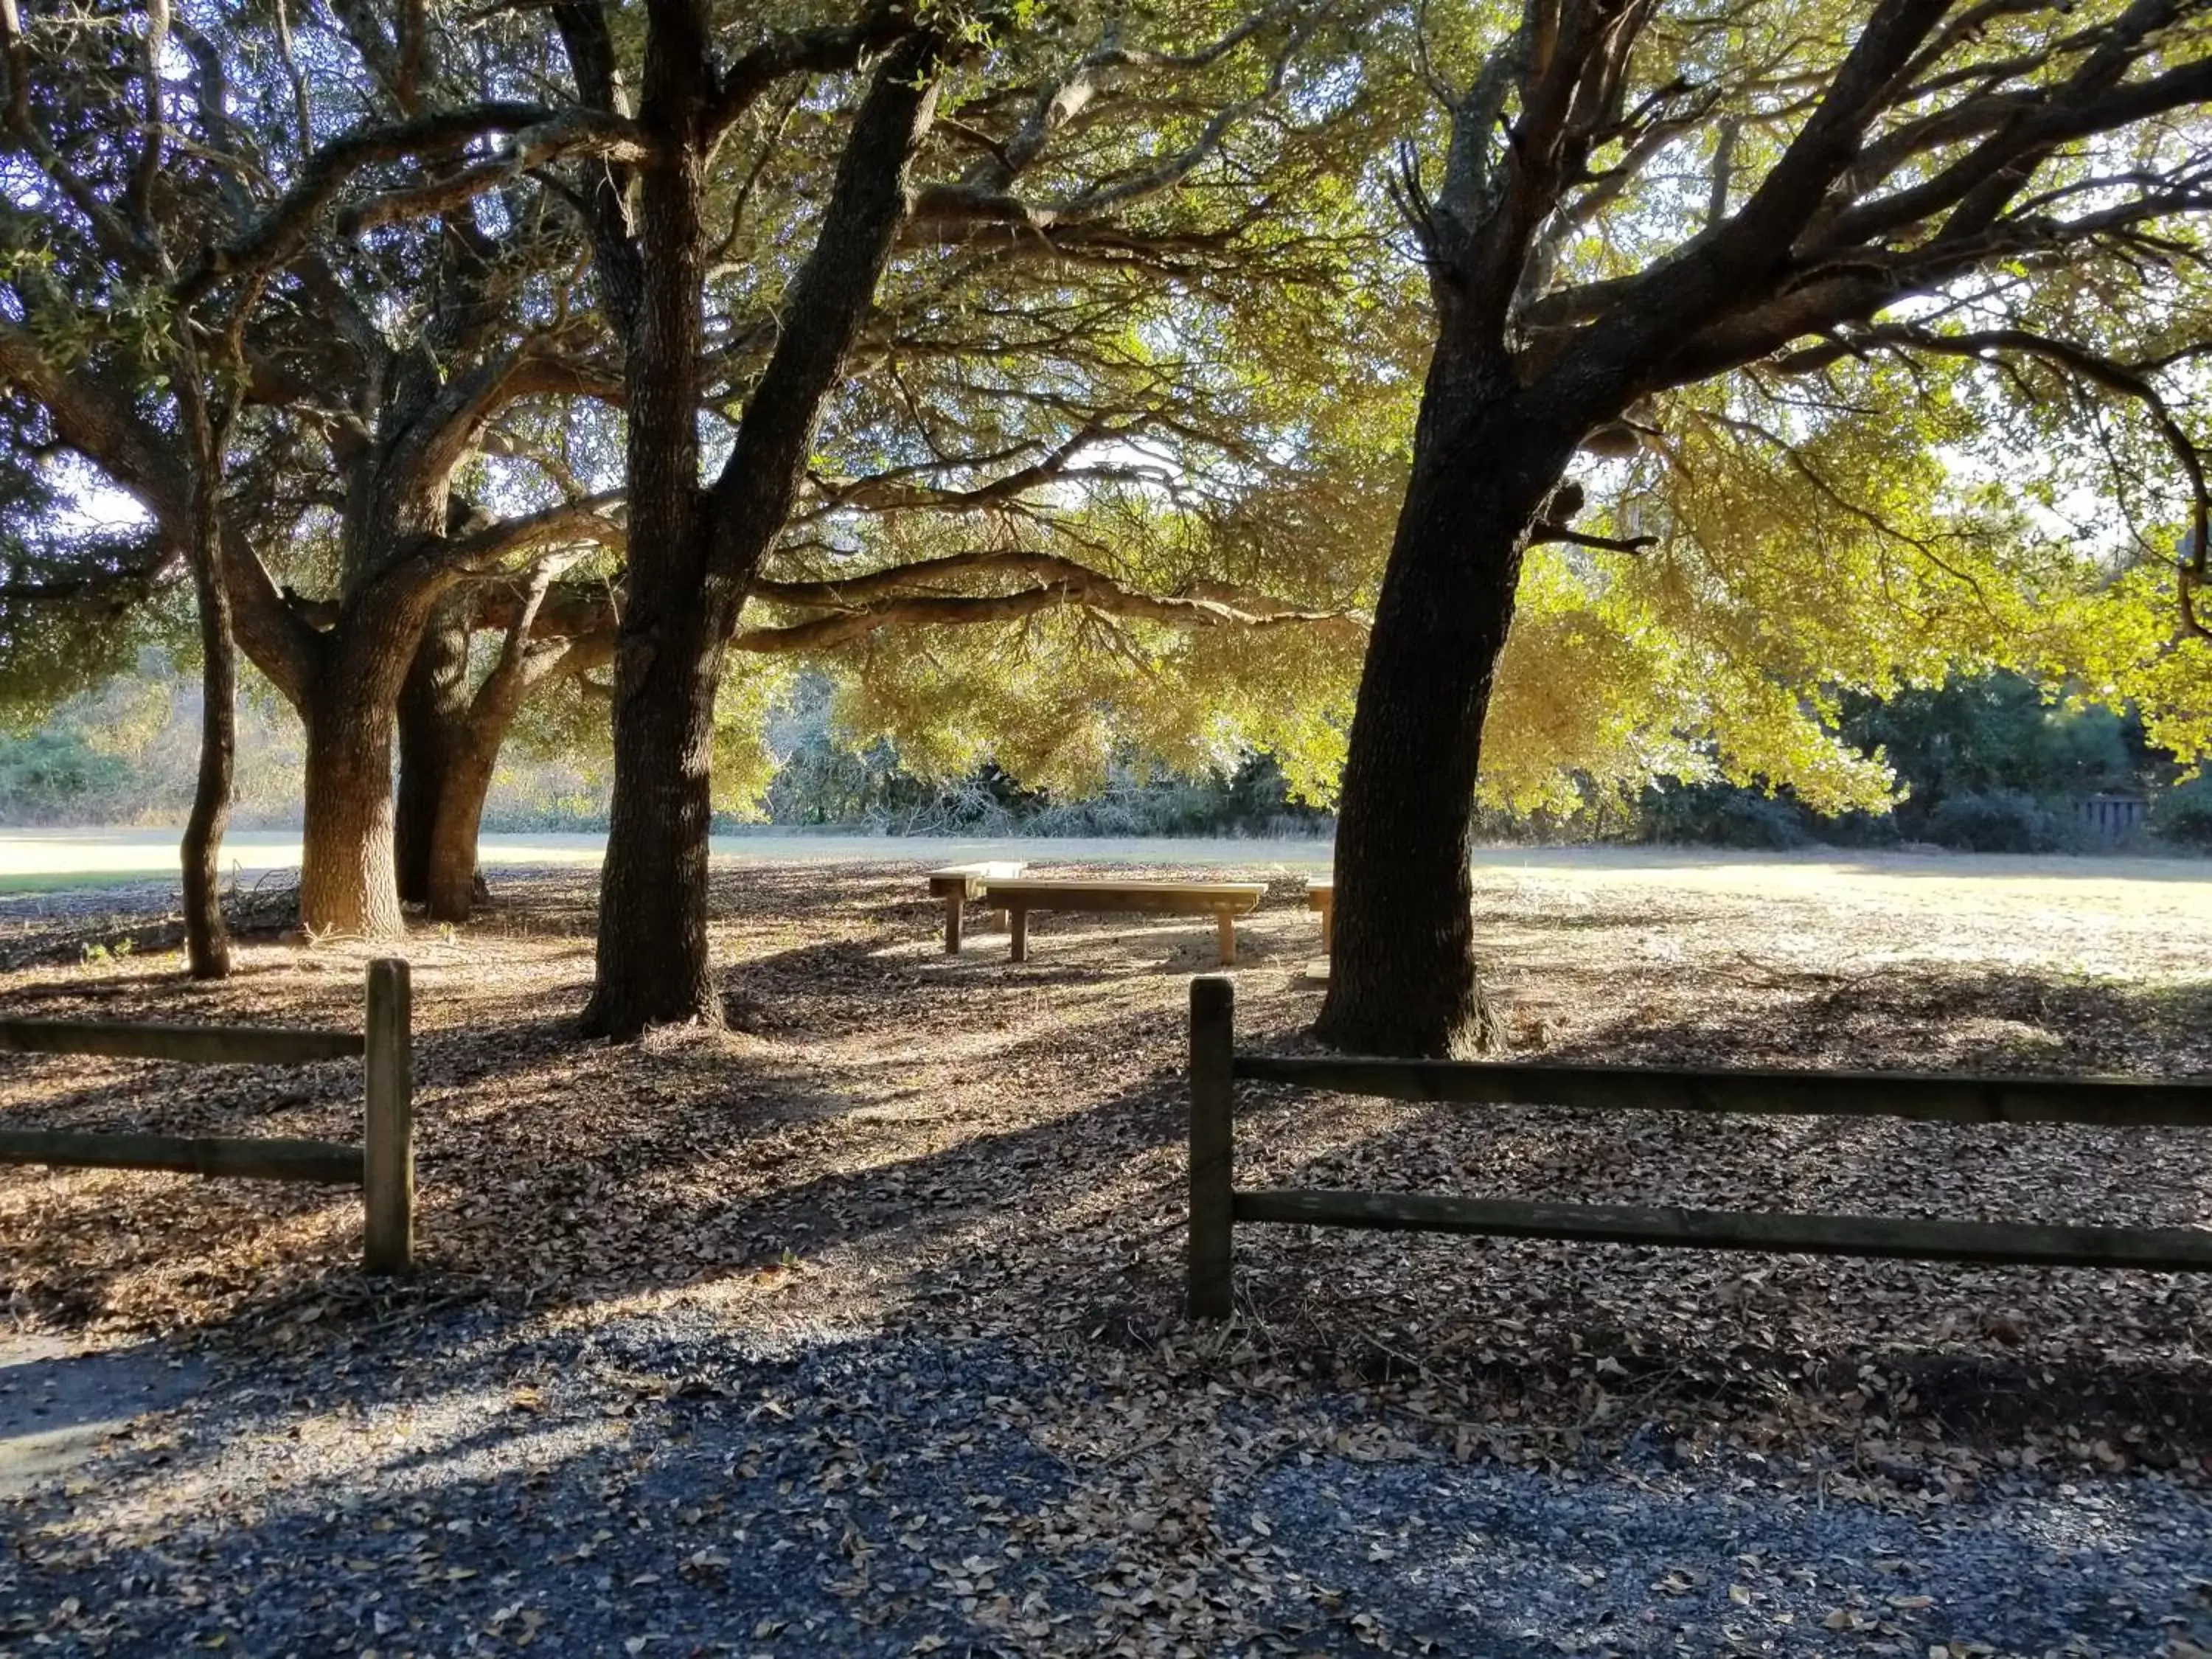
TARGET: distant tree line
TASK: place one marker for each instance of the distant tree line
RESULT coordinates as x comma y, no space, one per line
1987,764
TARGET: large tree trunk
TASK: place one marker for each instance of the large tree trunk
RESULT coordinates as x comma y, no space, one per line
652,960
349,882
1402,977
692,554
653,966
434,709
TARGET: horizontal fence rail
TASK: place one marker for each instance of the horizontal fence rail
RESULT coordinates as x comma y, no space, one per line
1216,1205
195,1045
202,1155
383,1166
1933,1097
2169,1250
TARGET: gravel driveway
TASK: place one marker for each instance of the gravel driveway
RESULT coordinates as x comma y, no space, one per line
657,1482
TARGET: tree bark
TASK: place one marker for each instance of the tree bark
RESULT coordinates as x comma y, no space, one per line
434,710
652,953
455,883
348,880
694,553
652,956
207,940
1402,975
348,884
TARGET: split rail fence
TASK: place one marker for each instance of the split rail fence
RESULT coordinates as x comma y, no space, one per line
1216,1204
383,1166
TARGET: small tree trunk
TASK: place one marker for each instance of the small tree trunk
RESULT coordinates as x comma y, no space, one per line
207,941
453,878
1402,976
434,708
454,881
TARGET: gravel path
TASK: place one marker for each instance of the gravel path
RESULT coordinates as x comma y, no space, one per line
658,1482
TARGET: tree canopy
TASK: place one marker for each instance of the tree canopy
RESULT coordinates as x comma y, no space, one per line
1753,240
1054,380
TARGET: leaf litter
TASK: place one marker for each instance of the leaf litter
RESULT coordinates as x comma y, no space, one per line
880,1284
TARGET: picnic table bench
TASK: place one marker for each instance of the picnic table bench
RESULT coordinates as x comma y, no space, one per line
958,883
1321,895
1224,901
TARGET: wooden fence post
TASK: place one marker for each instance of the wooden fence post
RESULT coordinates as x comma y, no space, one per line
388,1167
1212,1191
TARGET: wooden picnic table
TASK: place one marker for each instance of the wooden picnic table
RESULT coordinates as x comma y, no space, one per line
956,884
1222,900
1321,895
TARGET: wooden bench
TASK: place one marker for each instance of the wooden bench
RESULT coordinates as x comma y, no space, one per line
1321,895
958,883
1224,901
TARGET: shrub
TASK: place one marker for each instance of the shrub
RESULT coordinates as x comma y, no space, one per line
1994,821
53,770
2182,815
1721,815
1994,733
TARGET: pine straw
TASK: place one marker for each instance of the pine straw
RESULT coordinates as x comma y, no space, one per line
888,1138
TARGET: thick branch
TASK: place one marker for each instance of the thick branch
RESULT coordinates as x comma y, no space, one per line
804,51
571,133
286,225
831,298
588,520
1090,592
2076,361
107,432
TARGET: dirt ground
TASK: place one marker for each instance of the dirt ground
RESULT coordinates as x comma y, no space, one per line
889,1135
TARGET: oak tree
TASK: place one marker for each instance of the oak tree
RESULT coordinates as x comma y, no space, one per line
1620,201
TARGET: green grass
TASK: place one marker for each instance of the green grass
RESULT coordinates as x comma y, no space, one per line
69,881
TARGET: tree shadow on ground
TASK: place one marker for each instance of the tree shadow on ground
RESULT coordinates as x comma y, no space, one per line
58,1403
656,1482
2051,1023
1002,1149
1990,1353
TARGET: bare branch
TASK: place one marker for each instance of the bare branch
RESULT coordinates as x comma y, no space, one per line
571,133
804,51
592,519
286,226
